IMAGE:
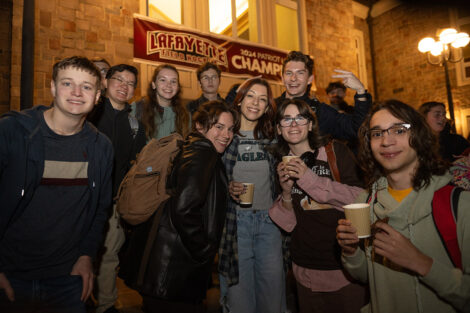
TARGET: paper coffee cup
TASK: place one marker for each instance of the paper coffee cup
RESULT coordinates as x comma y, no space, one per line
247,197
287,158
359,215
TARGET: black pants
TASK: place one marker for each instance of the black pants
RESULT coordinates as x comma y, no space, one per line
349,299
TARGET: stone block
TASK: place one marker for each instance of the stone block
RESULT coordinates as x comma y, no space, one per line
66,13
69,26
116,21
91,37
70,4
94,11
68,43
95,46
45,18
45,5
54,43
82,24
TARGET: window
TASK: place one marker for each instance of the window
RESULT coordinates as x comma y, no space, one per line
169,11
287,25
225,21
361,68
461,19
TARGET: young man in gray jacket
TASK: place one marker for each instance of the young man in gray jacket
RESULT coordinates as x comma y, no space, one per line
406,263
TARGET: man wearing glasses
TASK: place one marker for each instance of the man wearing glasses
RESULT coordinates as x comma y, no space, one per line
405,263
208,75
113,118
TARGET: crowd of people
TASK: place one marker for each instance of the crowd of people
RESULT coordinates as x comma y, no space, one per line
61,237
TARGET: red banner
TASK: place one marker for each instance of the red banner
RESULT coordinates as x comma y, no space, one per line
163,43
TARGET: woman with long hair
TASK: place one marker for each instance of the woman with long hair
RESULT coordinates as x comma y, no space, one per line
310,206
163,113
183,248
450,145
250,257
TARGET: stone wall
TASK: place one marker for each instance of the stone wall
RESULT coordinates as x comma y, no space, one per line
403,72
64,28
6,9
330,42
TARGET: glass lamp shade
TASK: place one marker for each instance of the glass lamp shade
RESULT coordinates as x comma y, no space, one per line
447,36
461,40
426,44
437,48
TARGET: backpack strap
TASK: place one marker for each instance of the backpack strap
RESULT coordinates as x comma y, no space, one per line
331,156
444,212
134,123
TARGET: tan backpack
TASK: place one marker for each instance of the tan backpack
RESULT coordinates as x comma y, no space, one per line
143,188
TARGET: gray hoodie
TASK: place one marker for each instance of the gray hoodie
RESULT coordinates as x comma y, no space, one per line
397,290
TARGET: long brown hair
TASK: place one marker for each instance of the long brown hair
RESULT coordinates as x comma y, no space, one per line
152,107
422,140
264,128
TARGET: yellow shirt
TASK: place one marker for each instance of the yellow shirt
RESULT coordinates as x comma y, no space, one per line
399,195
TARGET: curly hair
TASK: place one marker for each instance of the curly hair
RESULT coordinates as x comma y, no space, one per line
264,128
422,140
152,107
207,115
315,139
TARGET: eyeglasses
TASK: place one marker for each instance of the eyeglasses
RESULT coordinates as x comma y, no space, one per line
209,78
104,71
123,82
397,130
299,120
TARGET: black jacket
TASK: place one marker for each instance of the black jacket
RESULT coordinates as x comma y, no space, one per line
22,166
330,121
188,237
115,124
451,144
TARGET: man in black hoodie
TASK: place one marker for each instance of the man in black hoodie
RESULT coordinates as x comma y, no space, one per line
112,117
55,188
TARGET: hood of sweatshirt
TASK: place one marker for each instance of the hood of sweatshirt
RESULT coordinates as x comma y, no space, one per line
415,206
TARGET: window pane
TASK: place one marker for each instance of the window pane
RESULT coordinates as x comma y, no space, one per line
287,28
166,10
243,21
466,50
220,17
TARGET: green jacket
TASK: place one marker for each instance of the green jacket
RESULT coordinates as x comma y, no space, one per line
395,290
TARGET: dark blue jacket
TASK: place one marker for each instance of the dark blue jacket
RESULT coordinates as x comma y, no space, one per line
330,121
22,165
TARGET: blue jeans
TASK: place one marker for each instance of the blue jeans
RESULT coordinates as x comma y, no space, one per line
261,287
53,295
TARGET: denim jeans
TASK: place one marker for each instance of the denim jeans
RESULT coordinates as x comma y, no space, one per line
53,295
261,287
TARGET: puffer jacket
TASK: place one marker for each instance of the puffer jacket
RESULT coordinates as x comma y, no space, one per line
188,237
393,289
